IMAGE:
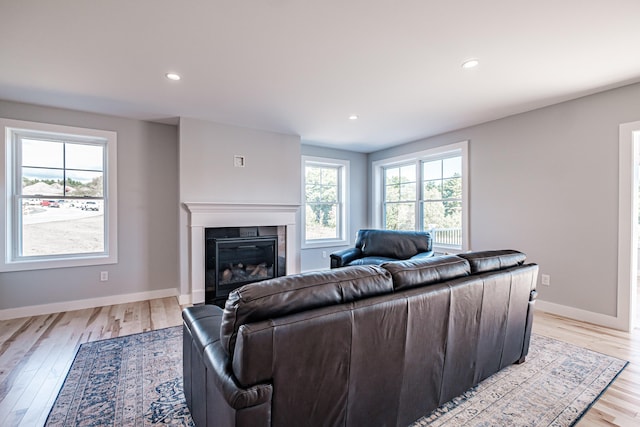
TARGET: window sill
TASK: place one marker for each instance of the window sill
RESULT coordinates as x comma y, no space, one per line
28,265
324,244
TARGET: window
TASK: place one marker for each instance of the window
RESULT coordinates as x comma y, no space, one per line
59,209
325,212
425,191
400,197
442,200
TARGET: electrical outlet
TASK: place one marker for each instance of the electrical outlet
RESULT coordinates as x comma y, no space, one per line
324,254
104,276
546,279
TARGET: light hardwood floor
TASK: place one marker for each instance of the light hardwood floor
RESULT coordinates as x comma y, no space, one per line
36,352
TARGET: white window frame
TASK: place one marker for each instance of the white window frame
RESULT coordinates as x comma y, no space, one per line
377,170
343,196
8,220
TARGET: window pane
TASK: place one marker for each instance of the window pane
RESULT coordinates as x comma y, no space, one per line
442,214
452,188
330,176
46,182
400,216
392,193
432,190
444,220
59,227
408,173
452,167
391,176
86,184
42,154
408,192
452,213
432,170
321,221
82,156
311,193
312,175
330,194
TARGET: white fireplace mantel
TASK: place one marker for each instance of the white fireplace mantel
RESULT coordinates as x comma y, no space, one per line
206,214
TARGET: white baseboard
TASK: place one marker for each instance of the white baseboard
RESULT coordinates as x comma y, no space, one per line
198,296
184,299
581,315
81,304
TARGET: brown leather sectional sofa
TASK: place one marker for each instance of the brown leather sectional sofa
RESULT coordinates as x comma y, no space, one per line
354,346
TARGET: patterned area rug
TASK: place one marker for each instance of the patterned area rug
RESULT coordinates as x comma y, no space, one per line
556,385
136,380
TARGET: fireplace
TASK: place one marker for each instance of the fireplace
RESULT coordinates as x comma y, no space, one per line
205,215
236,256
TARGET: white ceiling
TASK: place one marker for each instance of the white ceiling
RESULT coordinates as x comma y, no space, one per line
303,66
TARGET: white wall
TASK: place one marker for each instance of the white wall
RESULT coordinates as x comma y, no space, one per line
207,172
312,259
546,182
147,219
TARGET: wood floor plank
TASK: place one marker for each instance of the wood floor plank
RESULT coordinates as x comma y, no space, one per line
56,345
15,358
51,375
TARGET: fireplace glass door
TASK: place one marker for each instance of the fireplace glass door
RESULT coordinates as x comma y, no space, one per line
238,261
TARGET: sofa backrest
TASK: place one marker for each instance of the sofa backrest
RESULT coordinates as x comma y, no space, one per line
483,261
393,244
302,292
299,292
426,271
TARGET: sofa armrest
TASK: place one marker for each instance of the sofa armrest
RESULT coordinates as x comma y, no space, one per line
533,295
219,369
344,257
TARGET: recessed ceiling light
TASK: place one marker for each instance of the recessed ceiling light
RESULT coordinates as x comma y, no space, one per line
470,63
353,117
173,76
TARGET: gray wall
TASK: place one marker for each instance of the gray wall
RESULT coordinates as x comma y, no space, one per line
207,172
147,215
312,259
546,182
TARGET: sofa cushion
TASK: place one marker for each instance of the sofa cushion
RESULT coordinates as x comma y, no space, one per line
372,260
393,244
426,271
483,261
298,292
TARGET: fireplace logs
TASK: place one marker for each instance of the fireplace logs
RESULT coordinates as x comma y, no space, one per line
241,273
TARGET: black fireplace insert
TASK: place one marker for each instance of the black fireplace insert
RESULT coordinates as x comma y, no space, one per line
236,256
